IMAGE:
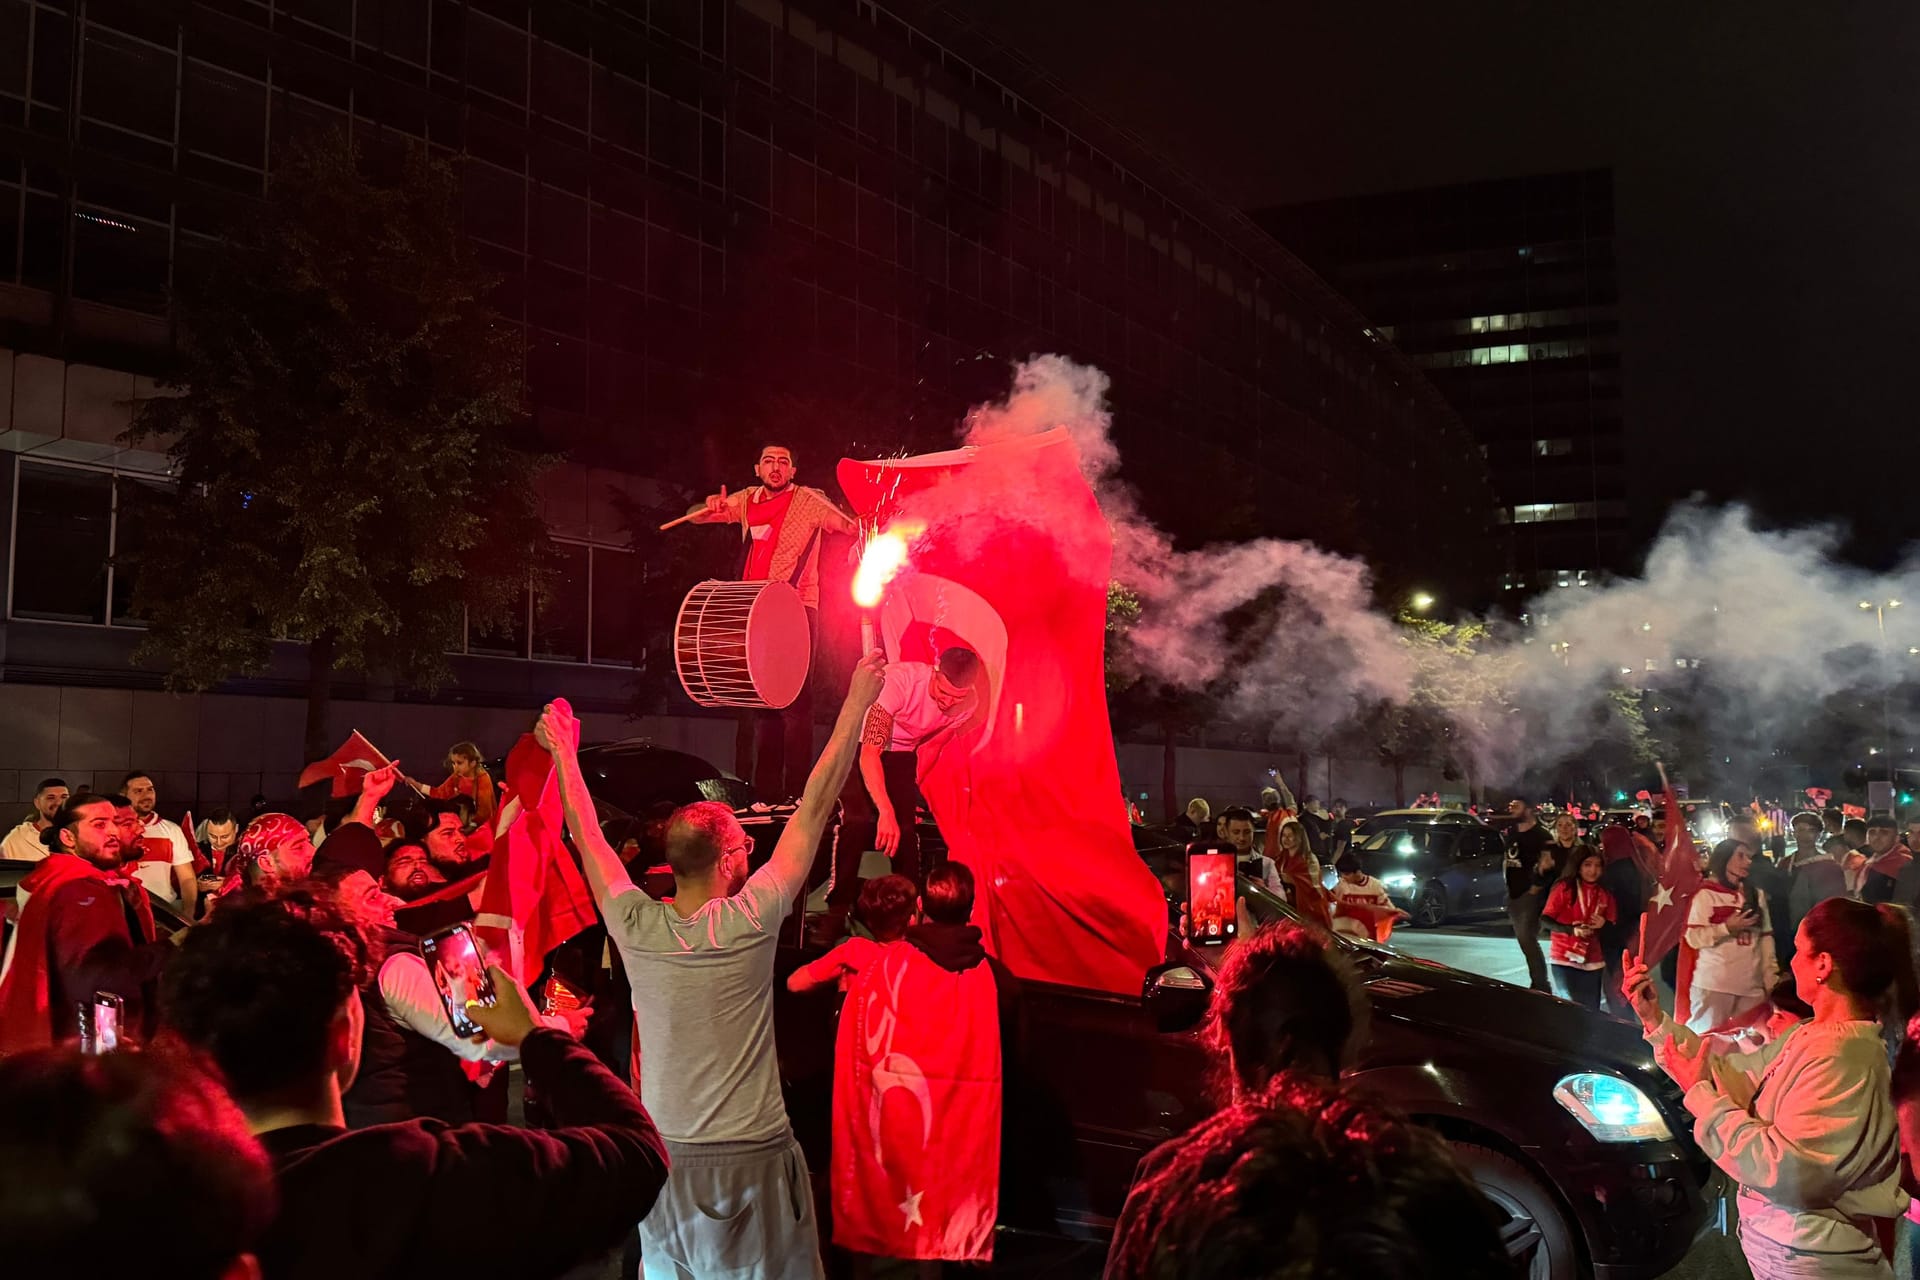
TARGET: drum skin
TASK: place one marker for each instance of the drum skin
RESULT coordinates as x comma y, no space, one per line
742,644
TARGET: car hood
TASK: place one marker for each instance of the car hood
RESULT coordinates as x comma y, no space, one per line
1513,1020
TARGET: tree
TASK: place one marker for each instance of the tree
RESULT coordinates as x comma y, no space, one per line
1454,708
354,462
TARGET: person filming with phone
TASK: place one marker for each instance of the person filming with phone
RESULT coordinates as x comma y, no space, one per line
269,991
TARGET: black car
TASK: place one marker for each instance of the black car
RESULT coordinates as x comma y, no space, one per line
1435,866
1094,1080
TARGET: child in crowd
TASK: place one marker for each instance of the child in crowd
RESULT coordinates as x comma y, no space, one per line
1577,909
1361,907
885,909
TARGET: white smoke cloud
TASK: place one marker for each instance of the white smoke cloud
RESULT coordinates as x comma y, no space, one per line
1771,616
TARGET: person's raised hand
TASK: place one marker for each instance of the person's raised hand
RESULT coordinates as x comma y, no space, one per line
557,731
869,675
717,505
508,1020
1745,922
380,781
1687,1069
1637,984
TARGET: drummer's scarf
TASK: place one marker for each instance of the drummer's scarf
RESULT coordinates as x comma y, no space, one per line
794,538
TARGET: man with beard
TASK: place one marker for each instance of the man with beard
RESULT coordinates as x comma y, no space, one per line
782,525
87,927
162,857
23,843
701,970
410,874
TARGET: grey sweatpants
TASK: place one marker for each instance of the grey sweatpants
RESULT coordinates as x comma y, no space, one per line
733,1211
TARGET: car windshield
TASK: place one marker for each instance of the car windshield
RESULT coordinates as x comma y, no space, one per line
1401,840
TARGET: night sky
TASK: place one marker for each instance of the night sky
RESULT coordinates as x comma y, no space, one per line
1766,183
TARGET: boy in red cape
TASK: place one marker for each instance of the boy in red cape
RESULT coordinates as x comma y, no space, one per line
916,1090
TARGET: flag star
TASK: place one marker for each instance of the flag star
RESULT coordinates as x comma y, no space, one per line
1663,898
910,1209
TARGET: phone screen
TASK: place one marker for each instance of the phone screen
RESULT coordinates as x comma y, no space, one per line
1211,895
100,1023
459,973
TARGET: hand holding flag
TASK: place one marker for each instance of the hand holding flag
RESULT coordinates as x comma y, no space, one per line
1665,923
347,768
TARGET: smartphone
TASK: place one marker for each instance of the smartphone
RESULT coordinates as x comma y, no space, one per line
460,974
1213,894
100,1023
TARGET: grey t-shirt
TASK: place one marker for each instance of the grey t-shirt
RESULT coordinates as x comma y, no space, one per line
703,1008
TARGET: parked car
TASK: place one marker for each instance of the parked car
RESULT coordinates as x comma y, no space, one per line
1557,1113
1436,866
1399,817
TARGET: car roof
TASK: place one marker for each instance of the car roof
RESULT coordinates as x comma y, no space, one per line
1429,815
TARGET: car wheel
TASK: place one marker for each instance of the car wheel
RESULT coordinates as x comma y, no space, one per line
1533,1228
1430,909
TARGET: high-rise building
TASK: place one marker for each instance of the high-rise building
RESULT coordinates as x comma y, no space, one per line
683,196
1504,293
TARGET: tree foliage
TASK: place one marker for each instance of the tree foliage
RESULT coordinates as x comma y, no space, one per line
349,436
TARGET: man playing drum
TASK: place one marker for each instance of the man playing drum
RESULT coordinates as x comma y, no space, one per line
781,527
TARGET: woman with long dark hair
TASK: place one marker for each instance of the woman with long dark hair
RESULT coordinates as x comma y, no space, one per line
1726,963
1578,909
1806,1123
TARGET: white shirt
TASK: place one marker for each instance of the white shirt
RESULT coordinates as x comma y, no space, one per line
703,1008
23,843
1725,963
906,696
1368,893
1816,1149
407,987
158,876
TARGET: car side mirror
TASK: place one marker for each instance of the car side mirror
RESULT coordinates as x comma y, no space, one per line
1176,996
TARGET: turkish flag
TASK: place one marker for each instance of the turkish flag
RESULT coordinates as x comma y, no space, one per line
534,897
347,768
916,1110
1377,921
1665,921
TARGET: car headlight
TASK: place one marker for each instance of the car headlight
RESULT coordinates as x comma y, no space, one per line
1611,1109
1399,880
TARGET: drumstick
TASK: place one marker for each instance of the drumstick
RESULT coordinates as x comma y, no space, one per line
682,520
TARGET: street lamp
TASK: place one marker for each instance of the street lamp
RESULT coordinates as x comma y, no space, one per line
1421,601
1886,695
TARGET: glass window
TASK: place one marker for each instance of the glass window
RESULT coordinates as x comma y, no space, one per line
560,608
120,260
224,115
496,58
505,640
619,632
63,539
135,499
127,84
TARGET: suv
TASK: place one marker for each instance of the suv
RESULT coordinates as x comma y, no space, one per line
1557,1113
1436,869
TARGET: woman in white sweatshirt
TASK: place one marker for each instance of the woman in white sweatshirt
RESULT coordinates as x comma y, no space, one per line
1806,1124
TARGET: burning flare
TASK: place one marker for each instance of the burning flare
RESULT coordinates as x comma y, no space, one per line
885,556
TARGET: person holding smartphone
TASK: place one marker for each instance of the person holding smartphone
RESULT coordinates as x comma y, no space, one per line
701,970
270,990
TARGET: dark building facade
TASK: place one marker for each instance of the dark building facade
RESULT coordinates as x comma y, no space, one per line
1504,293
851,204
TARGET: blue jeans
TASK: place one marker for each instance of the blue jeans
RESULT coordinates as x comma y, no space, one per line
1582,986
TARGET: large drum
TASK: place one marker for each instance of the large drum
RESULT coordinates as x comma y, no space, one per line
742,644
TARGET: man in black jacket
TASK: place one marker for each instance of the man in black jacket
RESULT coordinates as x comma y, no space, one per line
273,997
1530,869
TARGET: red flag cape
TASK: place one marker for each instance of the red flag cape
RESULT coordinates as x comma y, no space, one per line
1665,922
347,767
535,897
1377,921
26,1016
916,1110
1309,898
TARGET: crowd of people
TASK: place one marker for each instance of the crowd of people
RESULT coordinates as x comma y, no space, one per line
284,1044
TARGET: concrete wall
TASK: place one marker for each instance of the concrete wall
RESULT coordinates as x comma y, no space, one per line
1235,777
212,749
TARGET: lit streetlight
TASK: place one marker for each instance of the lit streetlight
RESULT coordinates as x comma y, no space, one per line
1879,609
1421,601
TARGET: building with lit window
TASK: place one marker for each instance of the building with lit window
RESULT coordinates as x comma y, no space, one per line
902,203
1504,293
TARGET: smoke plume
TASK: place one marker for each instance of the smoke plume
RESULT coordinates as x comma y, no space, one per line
1766,625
